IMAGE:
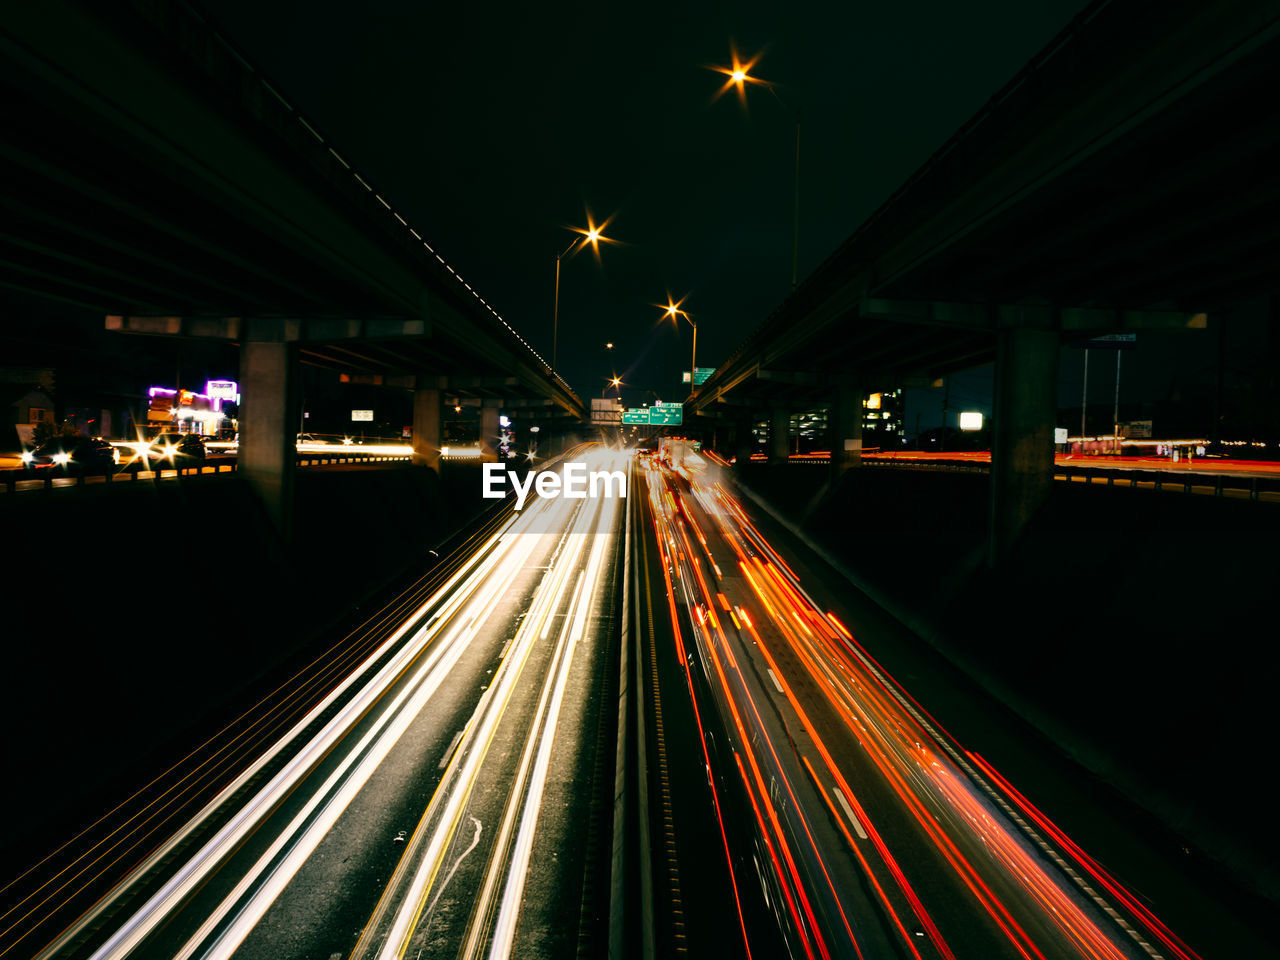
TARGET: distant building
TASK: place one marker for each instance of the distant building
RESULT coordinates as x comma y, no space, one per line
28,407
809,431
882,424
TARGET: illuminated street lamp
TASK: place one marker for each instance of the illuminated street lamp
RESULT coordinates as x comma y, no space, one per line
613,382
739,75
673,310
592,235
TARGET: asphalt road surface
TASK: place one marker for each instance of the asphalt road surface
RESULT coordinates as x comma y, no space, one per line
872,832
437,802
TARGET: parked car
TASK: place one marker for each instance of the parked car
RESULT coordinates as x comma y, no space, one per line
179,449
80,453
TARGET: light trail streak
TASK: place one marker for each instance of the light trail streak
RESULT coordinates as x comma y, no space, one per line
259,845
459,585
656,501
505,926
247,818
149,809
262,884
771,830
791,882
1038,907
401,913
448,803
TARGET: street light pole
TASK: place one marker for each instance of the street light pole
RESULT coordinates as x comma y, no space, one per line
693,361
795,223
1084,398
739,75
592,235
555,335
673,310
1115,419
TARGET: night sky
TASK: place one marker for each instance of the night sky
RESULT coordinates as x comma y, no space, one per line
493,129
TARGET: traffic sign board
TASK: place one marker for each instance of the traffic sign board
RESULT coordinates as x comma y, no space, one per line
700,375
1111,341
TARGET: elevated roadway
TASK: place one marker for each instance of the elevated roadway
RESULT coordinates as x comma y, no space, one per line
153,176
1125,180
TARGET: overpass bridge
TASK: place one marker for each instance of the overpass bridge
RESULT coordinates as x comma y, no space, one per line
1126,179
154,176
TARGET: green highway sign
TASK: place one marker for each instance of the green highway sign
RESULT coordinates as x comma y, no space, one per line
659,415
700,375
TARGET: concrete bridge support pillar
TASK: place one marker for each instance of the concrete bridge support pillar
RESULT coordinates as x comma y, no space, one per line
1026,398
426,426
844,423
779,435
489,430
743,441
719,440
267,457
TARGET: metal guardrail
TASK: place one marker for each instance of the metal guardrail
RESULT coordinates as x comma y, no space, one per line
1216,484
1204,484
9,479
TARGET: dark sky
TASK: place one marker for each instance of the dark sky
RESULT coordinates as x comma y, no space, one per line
493,128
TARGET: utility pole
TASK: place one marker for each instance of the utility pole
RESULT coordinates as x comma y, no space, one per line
1115,431
1216,434
795,222
946,402
1084,398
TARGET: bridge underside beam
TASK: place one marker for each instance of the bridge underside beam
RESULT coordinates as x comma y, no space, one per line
992,317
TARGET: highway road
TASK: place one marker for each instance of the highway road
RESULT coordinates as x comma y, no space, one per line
450,791
873,832
438,801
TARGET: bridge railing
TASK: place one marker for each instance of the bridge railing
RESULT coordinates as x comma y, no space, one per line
9,479
1182,481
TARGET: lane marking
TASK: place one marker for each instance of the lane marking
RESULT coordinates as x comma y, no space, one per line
454,869
848,810
448,754
778,686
